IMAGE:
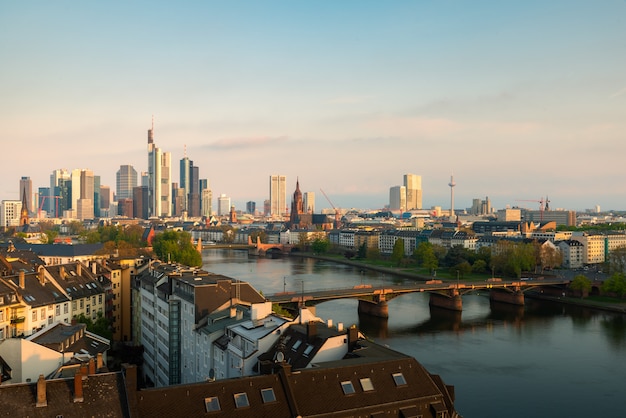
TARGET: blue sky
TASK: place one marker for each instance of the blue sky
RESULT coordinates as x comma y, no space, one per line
518,99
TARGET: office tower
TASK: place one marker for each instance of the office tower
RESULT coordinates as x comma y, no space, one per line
203,184
97,197
140,202
397,198
251,207
126,180
75,188
58,197
266,207
223,205
308,200
278,195
207,202
159,178
185,178
44,201
10,211
144,179
178,200
413,185
26,187
193,198
84,208
105,197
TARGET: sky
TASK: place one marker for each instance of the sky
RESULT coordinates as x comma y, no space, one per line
518,100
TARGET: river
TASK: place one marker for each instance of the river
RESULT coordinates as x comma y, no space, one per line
542,360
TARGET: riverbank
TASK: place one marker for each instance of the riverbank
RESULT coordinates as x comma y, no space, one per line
617,307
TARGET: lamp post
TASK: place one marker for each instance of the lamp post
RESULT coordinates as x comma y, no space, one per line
284,284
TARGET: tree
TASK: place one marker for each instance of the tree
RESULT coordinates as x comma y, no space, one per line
617,260
479,266
463,268
373,253
258,233
397,254
549,256
320,245
581,283
101,326
176,246
362,252
615,284
425,256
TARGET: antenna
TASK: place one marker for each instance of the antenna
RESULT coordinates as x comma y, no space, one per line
452,184
185,150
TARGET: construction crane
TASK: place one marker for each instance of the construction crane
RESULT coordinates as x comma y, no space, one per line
541,202
337,213
43,199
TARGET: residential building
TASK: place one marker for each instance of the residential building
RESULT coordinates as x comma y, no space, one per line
573,253
594,247
10,211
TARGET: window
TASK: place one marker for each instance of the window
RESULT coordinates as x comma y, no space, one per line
241,400
34,315
308,349
366,384
58,310
347,387
65,308
1,315
212,404
399,379
43,313
268,395
100,299
296,345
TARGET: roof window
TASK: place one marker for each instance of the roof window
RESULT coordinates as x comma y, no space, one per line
212,404
366,384
268,395
348,387
241,400
399,379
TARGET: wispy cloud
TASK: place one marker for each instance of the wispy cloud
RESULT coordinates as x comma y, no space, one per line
618,93
247,142
350,99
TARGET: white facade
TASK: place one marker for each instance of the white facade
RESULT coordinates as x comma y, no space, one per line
10,213
308,202
397,198
278,195
223,205
20,354
413,188
594,248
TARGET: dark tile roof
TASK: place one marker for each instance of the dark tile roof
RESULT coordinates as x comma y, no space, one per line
61,250
103,396
78,281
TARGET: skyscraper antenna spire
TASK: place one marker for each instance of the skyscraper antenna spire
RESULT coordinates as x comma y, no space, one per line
152,123
185,150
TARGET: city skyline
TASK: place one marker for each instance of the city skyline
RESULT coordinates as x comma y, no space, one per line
517,101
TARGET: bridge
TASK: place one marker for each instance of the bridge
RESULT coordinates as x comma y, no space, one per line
259,249
447,295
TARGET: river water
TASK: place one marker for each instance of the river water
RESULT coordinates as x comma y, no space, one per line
542,360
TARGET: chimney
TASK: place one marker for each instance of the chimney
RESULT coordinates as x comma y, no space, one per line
79,269
353,337
41,274
78,387
99,362
41,392
311,330
330,323
22,276
233,311
62,272
339,326
84,370
92,366
93,267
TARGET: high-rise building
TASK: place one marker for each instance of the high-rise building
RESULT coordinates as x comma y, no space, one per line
86,202
126,180
140,202
26,187
223,205
207,203
203,185
278,195
97,197
105,197
397,198
159,179
44,194
308,201
186,166
59,198
251,207
193,198
413,185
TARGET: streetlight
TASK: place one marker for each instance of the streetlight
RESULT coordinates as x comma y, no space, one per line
284,284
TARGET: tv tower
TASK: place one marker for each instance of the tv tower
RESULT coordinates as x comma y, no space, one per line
452,184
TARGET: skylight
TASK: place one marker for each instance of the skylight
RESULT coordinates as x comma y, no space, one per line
212,404
308,349
399,379
348,387
241,400
296,345
366,384
268,395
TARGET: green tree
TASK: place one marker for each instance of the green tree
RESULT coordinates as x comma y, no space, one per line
373,253
479,266
617,260
615,284
464,267
176,246
320,245
101,326
397,254
259,233
581,283
362,252
425,256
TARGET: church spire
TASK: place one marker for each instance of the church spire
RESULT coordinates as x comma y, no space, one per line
24,212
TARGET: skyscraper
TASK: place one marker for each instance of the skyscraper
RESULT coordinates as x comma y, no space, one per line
397,198
278,195
126,178
59,199
159,178
186,166
223,205
308,199
413,185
